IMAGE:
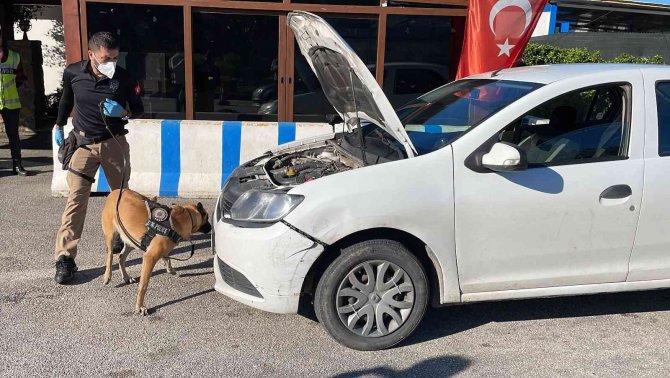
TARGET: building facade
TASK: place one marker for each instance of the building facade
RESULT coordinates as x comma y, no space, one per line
238,61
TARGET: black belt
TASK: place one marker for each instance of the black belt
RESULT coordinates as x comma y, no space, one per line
89,139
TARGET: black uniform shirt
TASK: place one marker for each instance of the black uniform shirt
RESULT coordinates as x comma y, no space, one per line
83,91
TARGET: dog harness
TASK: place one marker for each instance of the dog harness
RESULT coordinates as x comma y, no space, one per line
159,223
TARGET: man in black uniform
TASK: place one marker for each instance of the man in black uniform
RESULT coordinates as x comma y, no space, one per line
93,86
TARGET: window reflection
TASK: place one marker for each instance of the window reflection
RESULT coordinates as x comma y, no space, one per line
235,66
418,56
309,102
150,37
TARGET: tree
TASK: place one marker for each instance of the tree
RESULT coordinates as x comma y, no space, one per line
11,14
25,12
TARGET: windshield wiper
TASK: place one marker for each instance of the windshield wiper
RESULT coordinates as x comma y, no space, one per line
361,137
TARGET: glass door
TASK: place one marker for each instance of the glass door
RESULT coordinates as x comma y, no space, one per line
308,103
236,65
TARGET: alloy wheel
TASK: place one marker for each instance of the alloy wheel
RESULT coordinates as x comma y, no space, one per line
375,298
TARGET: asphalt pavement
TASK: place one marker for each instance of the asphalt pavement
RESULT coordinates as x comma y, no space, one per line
87,329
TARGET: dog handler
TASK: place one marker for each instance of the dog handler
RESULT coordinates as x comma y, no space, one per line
87,85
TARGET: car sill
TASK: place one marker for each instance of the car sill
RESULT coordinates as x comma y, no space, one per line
566,290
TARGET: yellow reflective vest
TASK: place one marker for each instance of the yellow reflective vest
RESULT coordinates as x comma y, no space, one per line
9,94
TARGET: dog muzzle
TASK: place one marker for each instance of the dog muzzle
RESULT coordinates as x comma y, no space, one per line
206,228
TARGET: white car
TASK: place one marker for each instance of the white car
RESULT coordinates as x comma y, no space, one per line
520,183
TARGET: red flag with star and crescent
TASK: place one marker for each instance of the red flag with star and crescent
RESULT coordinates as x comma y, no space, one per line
496,33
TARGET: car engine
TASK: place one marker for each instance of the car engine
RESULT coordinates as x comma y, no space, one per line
300,167
288,169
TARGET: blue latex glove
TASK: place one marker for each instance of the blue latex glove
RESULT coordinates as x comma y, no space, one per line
112,108
59,137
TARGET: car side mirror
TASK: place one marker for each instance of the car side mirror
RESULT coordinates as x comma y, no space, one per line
505,157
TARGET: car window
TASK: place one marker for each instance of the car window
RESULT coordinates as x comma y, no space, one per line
663,110
439,117
416,81
580,126
604,102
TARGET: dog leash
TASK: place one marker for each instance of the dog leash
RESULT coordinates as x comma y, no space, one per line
189,256
123,180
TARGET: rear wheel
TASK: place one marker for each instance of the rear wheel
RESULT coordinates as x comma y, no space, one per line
373,296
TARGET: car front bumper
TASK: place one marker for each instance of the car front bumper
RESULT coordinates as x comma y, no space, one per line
263,267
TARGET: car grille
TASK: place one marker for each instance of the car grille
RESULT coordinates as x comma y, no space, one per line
237,280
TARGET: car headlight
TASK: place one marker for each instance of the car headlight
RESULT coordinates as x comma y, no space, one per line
218,210
258,206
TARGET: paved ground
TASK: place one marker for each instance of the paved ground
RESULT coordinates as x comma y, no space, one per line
87,329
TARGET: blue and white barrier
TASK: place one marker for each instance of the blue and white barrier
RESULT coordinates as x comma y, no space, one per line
191,159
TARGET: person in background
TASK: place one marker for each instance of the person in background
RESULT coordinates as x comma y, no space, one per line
11,77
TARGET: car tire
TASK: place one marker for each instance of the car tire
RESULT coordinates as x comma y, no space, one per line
372,314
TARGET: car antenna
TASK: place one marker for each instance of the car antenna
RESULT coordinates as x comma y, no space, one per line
361,137
496,72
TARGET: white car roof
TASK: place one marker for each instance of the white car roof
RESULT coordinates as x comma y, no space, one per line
552,73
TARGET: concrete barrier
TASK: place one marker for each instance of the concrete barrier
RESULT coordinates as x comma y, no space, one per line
191,159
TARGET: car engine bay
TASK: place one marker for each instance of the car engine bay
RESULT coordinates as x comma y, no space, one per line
299,167
291,167
285,170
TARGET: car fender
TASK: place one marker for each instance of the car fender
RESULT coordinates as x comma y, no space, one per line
411,195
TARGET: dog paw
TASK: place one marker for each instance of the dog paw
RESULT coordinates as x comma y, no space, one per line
172,271
141,311
129,280
106,280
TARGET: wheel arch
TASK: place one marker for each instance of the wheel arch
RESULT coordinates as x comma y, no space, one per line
415,245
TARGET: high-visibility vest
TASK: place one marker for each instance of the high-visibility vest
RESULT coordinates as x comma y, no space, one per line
9,94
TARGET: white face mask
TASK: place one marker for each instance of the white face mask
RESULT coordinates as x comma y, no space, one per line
107,68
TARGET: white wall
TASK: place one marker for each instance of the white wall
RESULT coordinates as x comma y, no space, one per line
48,28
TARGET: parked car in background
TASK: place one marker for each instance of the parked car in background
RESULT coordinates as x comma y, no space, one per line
522,183
403,82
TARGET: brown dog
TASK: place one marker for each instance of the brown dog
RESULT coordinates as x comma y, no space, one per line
185,220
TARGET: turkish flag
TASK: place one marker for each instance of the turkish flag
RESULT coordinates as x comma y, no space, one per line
496,33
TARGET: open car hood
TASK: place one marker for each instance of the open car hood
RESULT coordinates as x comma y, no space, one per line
347,83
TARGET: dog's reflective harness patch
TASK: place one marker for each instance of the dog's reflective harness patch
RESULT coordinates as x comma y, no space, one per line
159,223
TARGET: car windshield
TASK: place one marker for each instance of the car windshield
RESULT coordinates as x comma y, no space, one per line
437,118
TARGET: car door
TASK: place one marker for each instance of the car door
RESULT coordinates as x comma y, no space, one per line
651,255
570,218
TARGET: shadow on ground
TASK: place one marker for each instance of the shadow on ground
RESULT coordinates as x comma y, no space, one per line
88,275
175,301
444,366
445,321
39,141
35,165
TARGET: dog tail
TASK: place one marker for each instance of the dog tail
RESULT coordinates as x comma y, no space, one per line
117,244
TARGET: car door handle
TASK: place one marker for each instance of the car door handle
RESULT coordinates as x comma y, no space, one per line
615,195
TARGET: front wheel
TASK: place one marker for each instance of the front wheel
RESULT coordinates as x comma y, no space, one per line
373,296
